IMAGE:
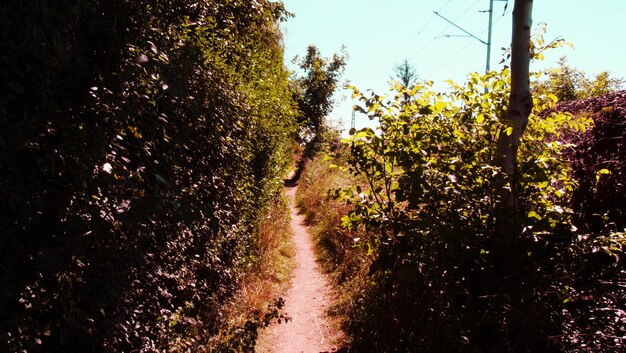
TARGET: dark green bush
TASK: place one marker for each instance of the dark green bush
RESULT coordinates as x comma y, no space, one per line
599,199
139,143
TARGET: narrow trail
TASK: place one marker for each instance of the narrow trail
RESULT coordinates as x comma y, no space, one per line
306,302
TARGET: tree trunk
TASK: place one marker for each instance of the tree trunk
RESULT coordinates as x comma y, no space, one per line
515,119
510,255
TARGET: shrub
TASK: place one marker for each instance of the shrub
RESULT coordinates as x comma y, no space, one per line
439,280
141,141
597,162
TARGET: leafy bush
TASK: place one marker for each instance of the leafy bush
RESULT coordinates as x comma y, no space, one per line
598,164
569,84
140,143
593,317
440,280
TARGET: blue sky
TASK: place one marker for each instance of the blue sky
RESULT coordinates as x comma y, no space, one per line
378,34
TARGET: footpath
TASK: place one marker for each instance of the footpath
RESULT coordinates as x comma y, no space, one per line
306,302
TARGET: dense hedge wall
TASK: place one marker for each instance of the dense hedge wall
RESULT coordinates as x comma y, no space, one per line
139,143
599,199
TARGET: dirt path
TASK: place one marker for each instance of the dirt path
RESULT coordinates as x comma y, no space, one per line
306,302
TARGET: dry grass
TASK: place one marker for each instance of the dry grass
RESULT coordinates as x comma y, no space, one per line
268,279
335,243
348,266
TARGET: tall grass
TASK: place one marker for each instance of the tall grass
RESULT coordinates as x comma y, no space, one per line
346,264
264,281
334,242
275,258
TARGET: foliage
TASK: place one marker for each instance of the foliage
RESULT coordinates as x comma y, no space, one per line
438,279
243,339
337,247
568,83
440,147
597,162
319,178
256,306
140,144
405,74
314,94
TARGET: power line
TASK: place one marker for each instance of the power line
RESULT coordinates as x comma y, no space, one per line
488,42
466,11
444,5
432,17
466,46
463,30
421,30
427,45
414,37
450,59
445,29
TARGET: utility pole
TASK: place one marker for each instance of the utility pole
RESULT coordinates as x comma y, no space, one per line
489,36
352,122
490,28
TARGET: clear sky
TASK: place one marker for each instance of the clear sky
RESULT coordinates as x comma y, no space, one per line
378,34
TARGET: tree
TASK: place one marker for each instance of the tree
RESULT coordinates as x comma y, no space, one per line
406,75
427,198
568,83
603,84
510,250
565,82
314,92
516,117
140,143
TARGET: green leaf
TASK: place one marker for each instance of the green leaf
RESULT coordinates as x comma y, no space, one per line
601,172
533,214
361,134
373,107
552,98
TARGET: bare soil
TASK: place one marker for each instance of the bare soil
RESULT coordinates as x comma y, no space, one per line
306,302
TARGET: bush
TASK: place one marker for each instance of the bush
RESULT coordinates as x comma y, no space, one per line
140,143
597,162
440,280
335,243
593,318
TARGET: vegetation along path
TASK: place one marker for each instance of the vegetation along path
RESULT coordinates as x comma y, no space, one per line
309,329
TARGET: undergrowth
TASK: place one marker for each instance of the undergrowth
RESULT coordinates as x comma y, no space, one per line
456,298
336,246
140,143
258,303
